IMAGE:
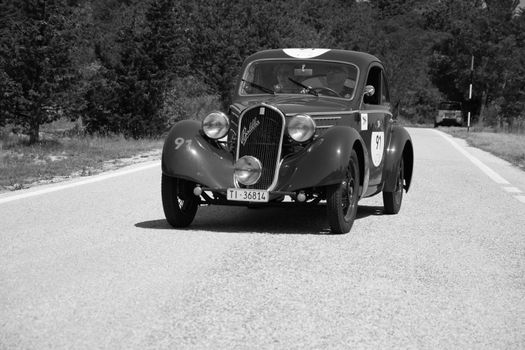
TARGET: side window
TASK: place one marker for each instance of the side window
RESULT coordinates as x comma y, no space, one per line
385,97
374,79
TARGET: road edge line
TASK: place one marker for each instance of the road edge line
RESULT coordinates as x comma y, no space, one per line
31,192
497,178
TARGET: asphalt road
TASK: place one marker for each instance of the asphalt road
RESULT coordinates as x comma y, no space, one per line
92,264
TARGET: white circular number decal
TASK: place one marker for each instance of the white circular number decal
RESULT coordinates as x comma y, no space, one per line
377,146
305,53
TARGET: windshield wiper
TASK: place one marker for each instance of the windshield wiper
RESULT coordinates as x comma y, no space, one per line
260,87
307,88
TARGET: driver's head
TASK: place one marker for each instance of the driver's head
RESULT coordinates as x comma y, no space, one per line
336,76
282,73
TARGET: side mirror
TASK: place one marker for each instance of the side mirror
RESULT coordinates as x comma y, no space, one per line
369,90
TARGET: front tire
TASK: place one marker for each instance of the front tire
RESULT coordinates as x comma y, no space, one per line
392,200
341,199
179,203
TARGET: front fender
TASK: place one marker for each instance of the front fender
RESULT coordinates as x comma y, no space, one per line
189,155
324,161
400,146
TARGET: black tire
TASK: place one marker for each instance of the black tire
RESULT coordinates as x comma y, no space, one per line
179,203
341,199
392,200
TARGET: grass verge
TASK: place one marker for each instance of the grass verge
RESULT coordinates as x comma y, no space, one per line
510,147
57,158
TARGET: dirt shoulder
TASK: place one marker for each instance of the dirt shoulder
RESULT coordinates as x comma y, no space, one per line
101,167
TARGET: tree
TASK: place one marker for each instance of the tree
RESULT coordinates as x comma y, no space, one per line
127,94
139,63
403,43
35,62
220,34
487,31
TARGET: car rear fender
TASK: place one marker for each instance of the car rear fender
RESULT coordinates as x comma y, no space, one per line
325,160
188,154
400,146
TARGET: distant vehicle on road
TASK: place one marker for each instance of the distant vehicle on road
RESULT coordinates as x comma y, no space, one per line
307,126
449,113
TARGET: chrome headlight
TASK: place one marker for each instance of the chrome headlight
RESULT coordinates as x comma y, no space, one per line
301,128
216,125
247,170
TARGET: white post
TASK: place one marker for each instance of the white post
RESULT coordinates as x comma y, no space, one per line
470,91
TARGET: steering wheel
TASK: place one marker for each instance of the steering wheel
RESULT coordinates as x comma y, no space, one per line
326,91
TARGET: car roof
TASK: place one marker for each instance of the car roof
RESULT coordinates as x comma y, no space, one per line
360,59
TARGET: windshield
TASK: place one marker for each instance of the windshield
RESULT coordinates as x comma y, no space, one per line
334,79
450,106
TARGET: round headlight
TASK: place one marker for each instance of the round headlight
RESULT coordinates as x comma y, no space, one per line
247,170
301,128
216,125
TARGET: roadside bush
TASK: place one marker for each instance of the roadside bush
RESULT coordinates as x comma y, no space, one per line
120,101
188,98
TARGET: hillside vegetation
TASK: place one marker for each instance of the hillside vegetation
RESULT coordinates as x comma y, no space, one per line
85,85
135,67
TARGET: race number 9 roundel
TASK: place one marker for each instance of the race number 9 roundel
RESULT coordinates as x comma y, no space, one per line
377,146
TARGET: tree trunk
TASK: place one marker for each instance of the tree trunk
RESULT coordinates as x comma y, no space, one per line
483,108
34,131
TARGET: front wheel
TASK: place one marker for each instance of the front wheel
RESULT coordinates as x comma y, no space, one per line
179,203
392,200
341,199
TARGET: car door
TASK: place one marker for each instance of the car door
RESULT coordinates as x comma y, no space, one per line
375,122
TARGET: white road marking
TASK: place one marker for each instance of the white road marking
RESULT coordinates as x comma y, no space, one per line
96,178
520,198
512,189
488,171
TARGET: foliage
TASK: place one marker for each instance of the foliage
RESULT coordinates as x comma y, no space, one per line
35,66
125,94
133,67
490,33
221,34
188,98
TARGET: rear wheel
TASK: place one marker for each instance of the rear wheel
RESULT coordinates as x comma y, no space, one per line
341,199
179,203
392,200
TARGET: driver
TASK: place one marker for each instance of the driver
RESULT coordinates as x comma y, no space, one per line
337,80
282,73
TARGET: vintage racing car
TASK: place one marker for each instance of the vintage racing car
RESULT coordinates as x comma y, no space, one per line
306,127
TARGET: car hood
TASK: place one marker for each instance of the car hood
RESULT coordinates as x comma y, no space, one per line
291,105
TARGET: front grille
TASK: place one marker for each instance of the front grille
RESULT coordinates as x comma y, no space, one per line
260,135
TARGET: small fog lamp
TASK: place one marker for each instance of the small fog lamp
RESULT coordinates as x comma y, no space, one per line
247,170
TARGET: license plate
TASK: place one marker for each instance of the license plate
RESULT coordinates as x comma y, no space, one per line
247,195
